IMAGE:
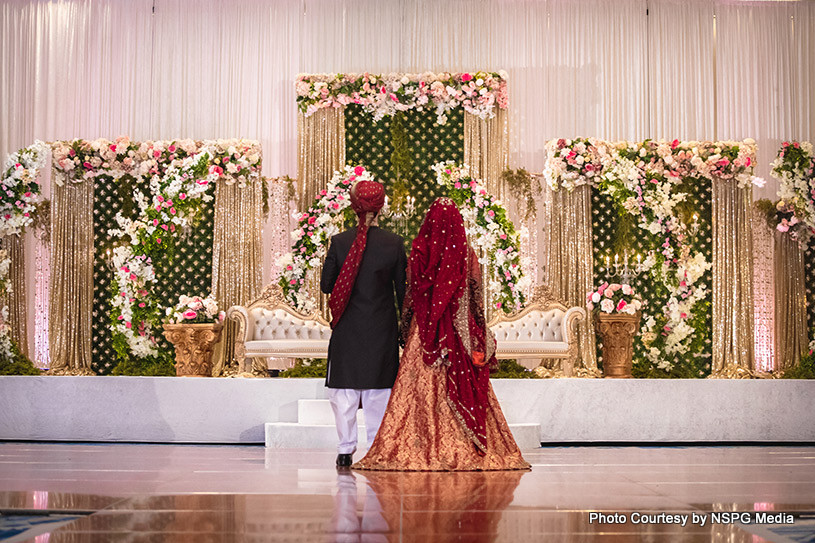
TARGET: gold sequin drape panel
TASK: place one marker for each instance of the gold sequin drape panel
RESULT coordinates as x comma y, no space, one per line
733,339
71,305
570,269
791,338
17,313
237,255
320,151
486,149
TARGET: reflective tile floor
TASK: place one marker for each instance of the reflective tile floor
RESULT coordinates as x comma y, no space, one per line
201,493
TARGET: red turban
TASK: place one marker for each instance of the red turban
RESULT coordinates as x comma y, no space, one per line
366,197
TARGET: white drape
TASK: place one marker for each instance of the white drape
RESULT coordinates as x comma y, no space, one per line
616,69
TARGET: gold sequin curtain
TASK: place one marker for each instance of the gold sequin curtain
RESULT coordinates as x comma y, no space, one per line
320,151
790,302
71,302
486,149
17,313
570,268
733,340
237,255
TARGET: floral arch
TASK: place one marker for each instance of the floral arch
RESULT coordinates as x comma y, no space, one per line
488,227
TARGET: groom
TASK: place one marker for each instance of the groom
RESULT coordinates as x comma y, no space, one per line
364,272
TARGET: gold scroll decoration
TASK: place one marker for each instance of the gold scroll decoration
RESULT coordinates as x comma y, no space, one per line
570,270
486,149
71,302
237,255
320,151
17,314
733,340
790,302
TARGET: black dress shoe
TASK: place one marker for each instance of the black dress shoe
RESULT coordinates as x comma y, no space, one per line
344,460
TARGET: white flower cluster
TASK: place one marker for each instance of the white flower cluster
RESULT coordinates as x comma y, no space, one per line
194,308
572,163
497,247
5,288
19,188
796,191
132,276
314,230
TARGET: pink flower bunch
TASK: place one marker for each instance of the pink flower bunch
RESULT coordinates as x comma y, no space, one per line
614,298
194,309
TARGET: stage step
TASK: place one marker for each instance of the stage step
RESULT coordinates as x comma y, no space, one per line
315,429
295,435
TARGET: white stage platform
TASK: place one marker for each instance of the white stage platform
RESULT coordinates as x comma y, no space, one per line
206,410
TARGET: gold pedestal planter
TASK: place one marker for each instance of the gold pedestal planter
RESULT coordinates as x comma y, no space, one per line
193,347
617,331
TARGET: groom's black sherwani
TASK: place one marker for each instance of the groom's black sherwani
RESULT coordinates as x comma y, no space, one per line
364,349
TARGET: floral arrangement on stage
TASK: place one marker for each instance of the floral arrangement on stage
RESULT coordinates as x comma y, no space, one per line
491,233
571,163
314,230
646,179
174,202
232,160
614,298
794,167
194,309
478,93
20,188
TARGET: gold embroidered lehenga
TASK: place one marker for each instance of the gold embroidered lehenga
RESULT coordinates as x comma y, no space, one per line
443,414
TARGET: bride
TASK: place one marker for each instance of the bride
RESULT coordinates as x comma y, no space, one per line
443,414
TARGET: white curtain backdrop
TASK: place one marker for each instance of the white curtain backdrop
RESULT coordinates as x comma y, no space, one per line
616,69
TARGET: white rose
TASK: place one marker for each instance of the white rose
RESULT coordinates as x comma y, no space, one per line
595,297
607,306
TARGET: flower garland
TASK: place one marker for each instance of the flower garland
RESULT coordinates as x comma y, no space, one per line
644,178
6,349
490,230
20,188
175,201
384,95
314,229
794,167
232,160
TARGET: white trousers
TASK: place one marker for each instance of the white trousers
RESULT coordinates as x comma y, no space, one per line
345,402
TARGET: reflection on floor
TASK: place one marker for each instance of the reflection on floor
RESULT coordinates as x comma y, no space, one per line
247,493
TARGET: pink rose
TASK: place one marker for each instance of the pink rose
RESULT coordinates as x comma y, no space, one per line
182,196
190,314
621,305
359,170
466,77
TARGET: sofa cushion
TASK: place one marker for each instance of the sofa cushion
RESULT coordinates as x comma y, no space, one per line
536,326
278,324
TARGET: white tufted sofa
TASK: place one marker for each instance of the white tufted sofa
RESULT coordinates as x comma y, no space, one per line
270,327
545,328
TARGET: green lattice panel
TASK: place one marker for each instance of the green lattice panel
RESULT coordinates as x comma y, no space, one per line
810,285
605,224
369,143
190,272
108,201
